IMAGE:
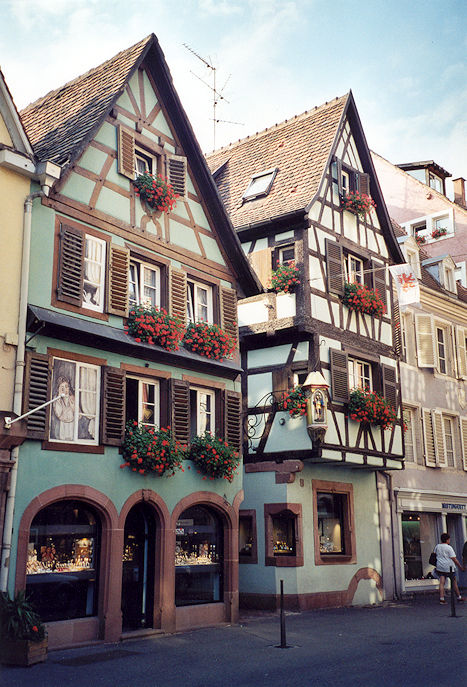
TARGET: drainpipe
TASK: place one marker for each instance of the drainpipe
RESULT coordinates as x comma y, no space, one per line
388,478
18,388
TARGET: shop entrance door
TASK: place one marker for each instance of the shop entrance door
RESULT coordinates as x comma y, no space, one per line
138,569
454,528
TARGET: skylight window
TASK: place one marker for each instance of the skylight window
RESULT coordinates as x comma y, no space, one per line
260,184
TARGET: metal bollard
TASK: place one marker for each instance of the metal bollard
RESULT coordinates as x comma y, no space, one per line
283,644
453,600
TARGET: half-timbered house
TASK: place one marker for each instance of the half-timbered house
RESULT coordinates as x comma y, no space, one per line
313,473
104,550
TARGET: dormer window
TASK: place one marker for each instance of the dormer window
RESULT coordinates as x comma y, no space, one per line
260,184
449,278
285,255
144,163
435,182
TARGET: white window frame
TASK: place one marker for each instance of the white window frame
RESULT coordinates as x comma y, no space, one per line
194,289
139,283
100,283
357,376
280,254
410,434
77,401
201,413
352,276
144,160
257,188
442,359
446,216
297,374
449,440
157,401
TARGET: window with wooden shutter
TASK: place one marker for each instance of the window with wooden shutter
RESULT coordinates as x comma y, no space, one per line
113,406
37,392
379,280
334,267
390,385
126,153
233,419
463,433
261,261
429,439
438,435
461,346
229,319
178,294
71,265
363,181
425,340
180,402
176,173
119,268
339,375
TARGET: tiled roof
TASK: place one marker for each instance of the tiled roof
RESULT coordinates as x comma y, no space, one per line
61,120
299,148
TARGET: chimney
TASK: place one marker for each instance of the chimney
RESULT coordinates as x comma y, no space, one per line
459,191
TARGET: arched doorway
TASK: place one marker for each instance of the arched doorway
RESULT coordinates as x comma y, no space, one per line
62,561
138,568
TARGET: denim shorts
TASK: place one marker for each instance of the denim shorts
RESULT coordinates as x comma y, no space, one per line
446,574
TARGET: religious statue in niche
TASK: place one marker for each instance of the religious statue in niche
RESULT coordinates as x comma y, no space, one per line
318,405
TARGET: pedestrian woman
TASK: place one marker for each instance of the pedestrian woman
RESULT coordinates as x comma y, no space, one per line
445,560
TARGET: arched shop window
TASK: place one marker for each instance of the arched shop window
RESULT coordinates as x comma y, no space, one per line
63,552
198,557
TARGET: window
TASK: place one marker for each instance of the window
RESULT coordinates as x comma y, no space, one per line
94,273
359,374
345,179
449,279
441,347
247,545
334,529
143,401
409,437
283,533
202,411
62,563
144,285
419,535
74,418
354,273
199,302
299,377
448,429
419,228
260,184
144,163
285,254
435,182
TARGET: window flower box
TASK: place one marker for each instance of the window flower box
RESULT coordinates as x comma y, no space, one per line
285,277
294,402
213,457
362,299
439,232
151,451
421,240
155,191
358,203
368,406
208,340
155,326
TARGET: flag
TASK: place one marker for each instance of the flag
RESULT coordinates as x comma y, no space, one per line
408,289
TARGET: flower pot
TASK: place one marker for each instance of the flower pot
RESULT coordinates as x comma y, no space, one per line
22,652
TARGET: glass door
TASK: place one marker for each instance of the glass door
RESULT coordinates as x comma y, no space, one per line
138,569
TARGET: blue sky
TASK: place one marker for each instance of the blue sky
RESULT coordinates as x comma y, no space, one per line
405,62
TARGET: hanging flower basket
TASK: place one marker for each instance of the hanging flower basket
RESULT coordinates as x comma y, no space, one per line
420,240
154,326
438,233
213,457
358,203
156,192
369,406
150,451
285,277
360,298
209,340
294,401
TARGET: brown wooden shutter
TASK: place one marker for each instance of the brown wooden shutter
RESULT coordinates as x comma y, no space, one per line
126,153
424,336
178,294
334,267
339,375
233,419
280,380
364,183
390,385
379,280
261,261
117,292
396,327
71,265
180,402
229,318
463,434
37,392
113,406
430,451
176,173
339,176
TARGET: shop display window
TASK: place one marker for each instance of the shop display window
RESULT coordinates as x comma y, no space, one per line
61,568
331,523
198,557
247,543
334,527
283,529
420,534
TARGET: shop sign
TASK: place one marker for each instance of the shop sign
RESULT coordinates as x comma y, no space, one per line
454,506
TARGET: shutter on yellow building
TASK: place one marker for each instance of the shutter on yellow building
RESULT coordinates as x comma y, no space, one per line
461,335
430,451
463,428
425,340
438,432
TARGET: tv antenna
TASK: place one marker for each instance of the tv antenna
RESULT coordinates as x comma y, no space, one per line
216,95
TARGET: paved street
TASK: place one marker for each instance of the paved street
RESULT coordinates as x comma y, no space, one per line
410,644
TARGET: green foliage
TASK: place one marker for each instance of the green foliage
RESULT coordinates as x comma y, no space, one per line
156,191
294,402
214,457
18,620
285,277
369,406
150,451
